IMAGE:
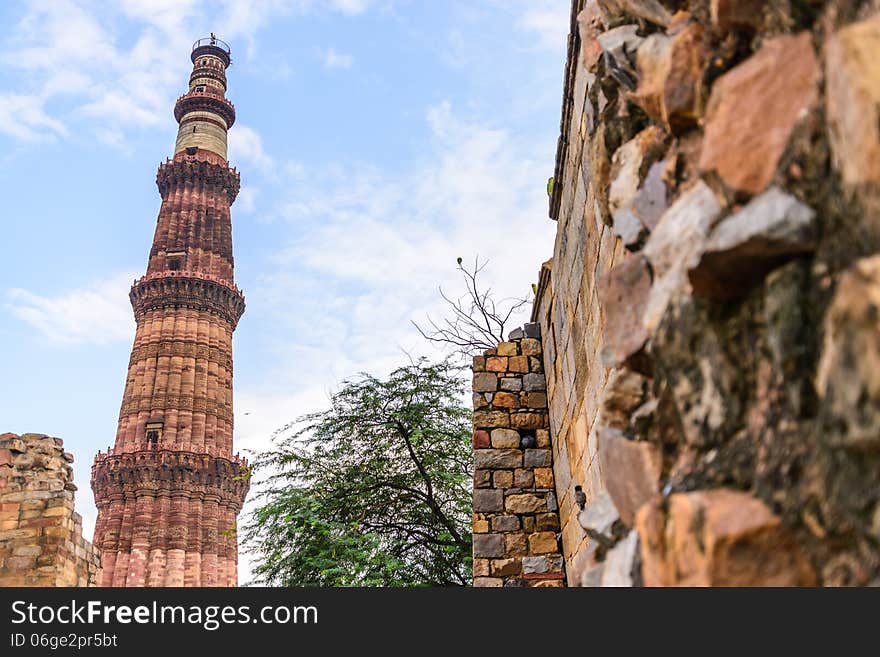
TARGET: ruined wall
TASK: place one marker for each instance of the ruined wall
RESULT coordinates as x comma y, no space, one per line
41,541
710,314
516,523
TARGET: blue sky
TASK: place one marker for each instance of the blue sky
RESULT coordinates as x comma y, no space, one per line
377,141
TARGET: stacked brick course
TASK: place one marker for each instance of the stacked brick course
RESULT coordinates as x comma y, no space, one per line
41,541
516,524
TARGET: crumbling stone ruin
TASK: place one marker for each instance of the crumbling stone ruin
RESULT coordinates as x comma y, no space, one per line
709,318
41,541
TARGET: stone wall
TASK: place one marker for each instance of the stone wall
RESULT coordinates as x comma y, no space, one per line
709,315
41,541
516,521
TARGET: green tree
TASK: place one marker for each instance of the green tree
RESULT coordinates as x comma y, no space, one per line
374,491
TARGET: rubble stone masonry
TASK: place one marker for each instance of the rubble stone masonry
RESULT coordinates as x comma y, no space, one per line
710,322
516,519
41,541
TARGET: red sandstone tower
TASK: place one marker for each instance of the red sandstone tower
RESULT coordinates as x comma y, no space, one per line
169,491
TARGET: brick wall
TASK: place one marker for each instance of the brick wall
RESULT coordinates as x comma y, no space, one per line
41,541
516,523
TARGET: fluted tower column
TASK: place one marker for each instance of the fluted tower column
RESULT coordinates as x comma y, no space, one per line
169,491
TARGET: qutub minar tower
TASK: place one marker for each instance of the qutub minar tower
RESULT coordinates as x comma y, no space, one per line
169,491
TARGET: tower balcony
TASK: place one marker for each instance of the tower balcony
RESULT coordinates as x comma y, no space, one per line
212,46
187,273
190,289
207,102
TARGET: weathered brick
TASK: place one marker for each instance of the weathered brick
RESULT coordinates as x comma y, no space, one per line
506,400
489,545
487,500
502,479
505,439
525,503
509,384
496,364
505,524
535,564
543,477
515,545
547,522
533,382
489,419
488,582
481,439
527,420
542,543
519,364
537,458
537,400
485,382
506,349
523,478
496,459
505,567
530,347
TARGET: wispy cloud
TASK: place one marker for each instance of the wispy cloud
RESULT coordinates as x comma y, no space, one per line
246,201
24,117
333,59
246,148
98,313
547,22
351,7
68,49
369,248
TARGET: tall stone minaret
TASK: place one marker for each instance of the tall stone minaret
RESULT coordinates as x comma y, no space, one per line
169,491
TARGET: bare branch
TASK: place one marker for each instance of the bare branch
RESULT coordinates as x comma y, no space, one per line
476,320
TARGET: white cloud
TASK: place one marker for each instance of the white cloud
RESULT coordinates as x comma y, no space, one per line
246,147
368,249
65,48
549,23
24,117
351,7
333,59
122,81
246,200
95,314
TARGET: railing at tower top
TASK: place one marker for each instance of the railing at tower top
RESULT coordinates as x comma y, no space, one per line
213,41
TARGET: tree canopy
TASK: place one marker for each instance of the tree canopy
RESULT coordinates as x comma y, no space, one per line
374,491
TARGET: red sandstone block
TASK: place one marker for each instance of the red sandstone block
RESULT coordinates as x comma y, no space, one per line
497,364
481,439
518,364
506,400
